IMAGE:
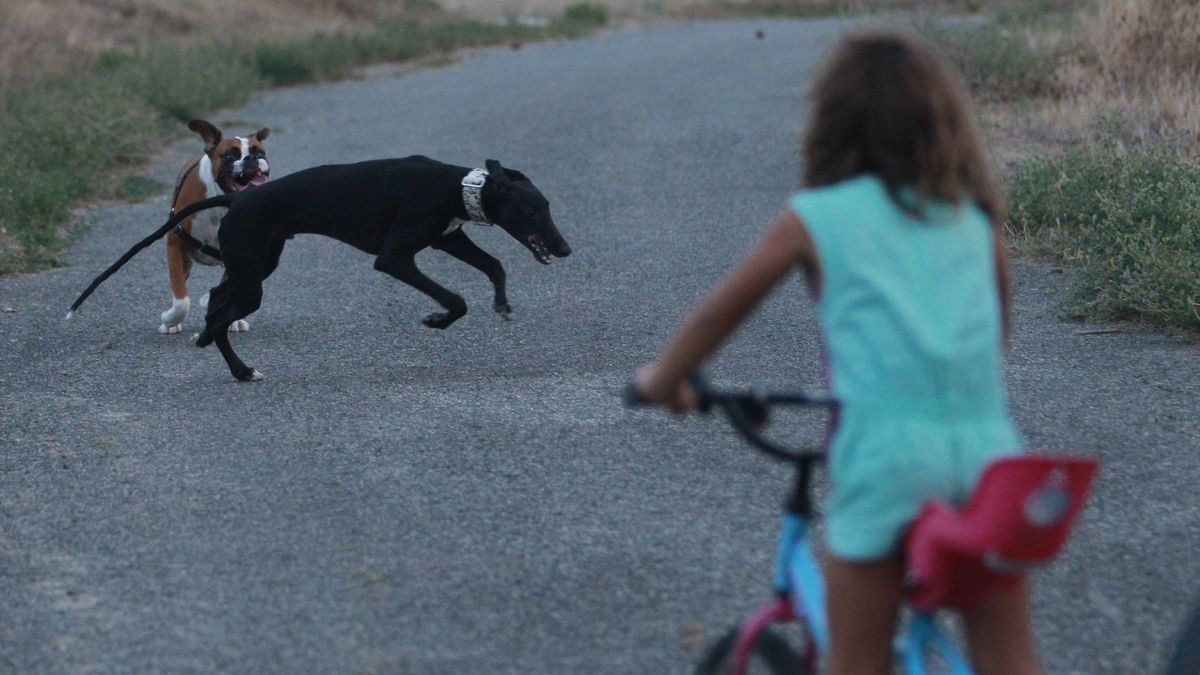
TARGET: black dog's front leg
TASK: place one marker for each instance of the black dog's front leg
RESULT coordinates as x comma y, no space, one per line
402,266
459,245
231,300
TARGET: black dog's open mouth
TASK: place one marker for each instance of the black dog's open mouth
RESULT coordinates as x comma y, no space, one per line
539,249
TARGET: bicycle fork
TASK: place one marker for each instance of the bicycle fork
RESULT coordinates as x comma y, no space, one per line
800,596
798,584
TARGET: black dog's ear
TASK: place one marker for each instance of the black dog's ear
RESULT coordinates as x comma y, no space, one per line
513,174
262,134
207,131
495,171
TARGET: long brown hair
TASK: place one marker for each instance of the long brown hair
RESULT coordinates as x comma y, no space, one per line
889,106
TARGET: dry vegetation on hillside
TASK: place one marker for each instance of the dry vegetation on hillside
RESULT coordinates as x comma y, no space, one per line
1120,198
46,35
1140,58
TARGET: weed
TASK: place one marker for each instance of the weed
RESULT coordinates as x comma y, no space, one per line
586,14
57,139
183,84
789,8
996,58
139,188
1129,219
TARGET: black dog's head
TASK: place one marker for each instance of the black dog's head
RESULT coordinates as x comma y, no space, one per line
513,203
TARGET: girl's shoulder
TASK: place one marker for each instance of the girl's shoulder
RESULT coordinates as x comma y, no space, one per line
866,198
861,198
864,186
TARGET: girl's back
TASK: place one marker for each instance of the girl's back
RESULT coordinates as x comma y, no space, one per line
909,305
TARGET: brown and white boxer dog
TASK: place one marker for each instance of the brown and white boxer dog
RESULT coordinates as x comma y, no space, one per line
227,165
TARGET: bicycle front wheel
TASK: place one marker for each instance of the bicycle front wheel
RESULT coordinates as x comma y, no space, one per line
770,654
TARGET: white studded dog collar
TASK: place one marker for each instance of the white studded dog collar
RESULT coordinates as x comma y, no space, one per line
472,185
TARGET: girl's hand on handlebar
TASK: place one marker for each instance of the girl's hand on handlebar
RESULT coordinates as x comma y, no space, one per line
679,396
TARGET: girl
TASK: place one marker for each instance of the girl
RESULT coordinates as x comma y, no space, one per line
900,234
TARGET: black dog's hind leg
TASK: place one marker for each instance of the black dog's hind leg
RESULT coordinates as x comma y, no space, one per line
399,262
231,301
459,245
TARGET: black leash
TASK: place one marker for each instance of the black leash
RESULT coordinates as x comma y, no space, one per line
183,234
179,185
195,243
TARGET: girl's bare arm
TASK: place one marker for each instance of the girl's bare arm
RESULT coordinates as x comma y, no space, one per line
785,245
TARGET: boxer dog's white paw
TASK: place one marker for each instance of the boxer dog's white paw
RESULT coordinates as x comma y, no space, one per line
239,326
172,319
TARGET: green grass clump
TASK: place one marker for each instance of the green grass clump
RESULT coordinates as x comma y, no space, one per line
56,140
182,84
1032,12
139,188
995,58
586,14
330,57
772,8
1131,223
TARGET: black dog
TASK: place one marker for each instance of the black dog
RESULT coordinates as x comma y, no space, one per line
389,208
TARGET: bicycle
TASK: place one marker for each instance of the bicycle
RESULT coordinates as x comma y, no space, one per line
1018,517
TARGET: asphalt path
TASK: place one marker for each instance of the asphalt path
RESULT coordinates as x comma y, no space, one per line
397,499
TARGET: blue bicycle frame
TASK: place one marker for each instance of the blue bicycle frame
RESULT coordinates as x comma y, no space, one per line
798,582
798,578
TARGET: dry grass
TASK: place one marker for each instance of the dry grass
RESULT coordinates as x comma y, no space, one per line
40,36
1110,184
1139,59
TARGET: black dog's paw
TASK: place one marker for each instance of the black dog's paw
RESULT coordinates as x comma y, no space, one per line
203,339
505,311
247,374
439,320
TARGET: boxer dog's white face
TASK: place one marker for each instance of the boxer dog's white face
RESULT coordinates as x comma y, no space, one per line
234,164
240,163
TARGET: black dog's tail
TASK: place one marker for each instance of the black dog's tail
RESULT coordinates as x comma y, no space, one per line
175,219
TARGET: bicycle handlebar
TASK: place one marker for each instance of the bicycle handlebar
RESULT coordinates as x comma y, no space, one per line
748,411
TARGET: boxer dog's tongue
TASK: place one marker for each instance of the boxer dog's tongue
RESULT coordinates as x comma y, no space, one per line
246,181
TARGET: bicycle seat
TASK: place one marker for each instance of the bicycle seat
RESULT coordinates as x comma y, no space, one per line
1018,517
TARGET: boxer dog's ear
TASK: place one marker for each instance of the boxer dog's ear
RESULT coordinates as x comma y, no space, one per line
262,134
208,132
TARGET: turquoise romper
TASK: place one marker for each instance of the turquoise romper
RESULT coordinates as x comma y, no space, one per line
911,320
